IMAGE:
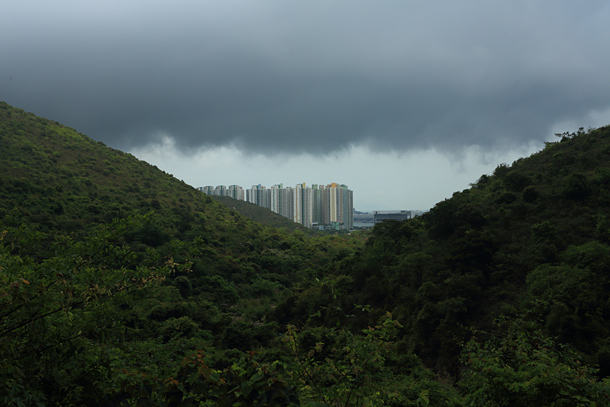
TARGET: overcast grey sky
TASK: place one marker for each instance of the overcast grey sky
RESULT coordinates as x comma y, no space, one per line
411,100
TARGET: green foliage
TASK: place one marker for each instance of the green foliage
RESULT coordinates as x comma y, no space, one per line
245,383
526,368
218,289
177,327
58,314
516,181
350,370
544,232
530,194
501,170
574,296
183,284
577,187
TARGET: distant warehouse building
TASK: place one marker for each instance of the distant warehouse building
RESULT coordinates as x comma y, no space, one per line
380,216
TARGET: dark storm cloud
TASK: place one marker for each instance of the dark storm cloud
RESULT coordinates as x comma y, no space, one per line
282,76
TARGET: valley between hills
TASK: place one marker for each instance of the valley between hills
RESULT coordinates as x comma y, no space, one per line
121,285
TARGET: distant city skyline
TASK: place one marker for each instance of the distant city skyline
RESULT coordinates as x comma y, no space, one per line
328,206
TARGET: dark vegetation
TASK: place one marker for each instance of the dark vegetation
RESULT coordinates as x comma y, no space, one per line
120,285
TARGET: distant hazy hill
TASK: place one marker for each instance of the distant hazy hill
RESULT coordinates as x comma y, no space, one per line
259,214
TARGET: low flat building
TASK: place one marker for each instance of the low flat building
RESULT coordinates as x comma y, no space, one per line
380,216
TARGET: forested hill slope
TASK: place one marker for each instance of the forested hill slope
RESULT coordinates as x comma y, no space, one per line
58,179
61,179
529,241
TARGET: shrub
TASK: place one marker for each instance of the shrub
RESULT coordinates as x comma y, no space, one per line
577,187
530,194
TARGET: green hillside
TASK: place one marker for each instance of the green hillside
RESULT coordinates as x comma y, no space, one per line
527,245
499,248
121,285
59,179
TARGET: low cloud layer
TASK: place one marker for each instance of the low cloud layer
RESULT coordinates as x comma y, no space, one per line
308,77
411,180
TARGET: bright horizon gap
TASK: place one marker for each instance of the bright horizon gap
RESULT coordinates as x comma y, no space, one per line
380,181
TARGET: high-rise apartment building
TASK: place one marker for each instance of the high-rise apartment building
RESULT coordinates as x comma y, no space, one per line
235,192
208,190
275,198
257,195
287,209
298,203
